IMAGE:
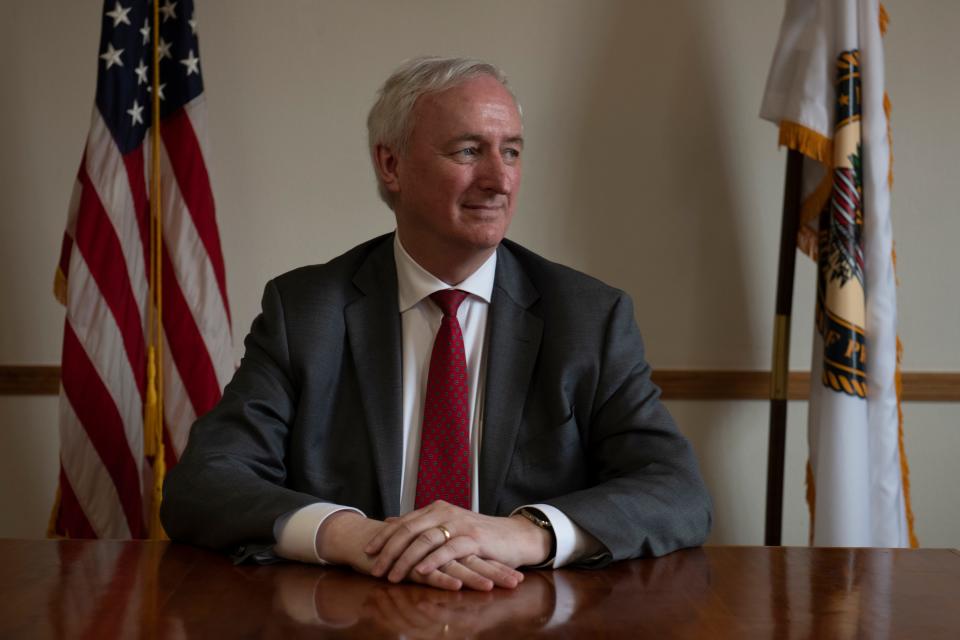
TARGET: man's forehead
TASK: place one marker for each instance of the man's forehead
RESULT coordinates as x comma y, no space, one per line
478,92
470,108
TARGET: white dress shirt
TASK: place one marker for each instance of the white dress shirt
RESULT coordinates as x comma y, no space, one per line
296,532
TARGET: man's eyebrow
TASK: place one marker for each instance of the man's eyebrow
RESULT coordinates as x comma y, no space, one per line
475,137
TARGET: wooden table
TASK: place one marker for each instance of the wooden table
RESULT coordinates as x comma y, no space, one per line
73,589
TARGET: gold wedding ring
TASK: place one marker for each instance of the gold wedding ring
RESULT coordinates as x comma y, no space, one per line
445,532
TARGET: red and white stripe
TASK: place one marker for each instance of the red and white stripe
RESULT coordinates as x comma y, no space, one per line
105,260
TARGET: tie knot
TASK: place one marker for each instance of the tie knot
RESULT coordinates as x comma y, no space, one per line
448,300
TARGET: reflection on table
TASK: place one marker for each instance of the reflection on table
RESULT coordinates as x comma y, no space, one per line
126,589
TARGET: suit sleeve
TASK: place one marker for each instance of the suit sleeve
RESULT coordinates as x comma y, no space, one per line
646,496
227,489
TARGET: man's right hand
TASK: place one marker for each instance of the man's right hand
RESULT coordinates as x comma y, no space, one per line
342,538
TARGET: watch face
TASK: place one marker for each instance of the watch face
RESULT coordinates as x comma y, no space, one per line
536,518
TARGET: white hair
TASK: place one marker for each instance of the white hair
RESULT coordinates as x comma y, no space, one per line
390,121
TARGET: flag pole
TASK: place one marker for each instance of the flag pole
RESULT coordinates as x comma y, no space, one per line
780,369
153,411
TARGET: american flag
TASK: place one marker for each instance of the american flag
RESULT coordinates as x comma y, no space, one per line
103,278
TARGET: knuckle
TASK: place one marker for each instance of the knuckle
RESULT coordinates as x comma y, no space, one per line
441,555
467,546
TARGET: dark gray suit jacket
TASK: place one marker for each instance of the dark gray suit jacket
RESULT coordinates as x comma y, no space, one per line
571,418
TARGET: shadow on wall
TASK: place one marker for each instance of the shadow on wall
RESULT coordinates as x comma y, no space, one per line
653,136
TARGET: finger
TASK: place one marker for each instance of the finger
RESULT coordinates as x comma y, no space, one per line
384,534
457,548
380,537
438,579
399,533
393,524
470,578
500,574
403,536
516,572
417,550
423,518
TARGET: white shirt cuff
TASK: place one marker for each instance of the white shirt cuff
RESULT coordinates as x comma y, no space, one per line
296,531
573,543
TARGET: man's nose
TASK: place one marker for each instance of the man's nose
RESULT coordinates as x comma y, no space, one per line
495,174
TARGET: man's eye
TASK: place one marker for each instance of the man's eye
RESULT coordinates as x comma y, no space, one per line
467,152
511,153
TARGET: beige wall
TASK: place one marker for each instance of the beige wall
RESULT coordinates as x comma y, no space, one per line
646,165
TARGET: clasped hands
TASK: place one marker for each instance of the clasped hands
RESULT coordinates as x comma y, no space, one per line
439,545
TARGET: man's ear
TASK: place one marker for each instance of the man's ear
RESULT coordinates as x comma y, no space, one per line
386,160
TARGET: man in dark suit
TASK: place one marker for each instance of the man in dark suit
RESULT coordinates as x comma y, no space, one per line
441,405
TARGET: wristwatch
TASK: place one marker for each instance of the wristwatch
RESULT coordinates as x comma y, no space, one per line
536,517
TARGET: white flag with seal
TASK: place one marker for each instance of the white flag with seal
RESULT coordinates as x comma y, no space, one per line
826,93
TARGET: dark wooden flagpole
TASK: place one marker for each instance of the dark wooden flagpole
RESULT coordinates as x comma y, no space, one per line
792,195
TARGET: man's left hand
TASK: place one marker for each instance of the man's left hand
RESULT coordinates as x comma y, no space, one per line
416,542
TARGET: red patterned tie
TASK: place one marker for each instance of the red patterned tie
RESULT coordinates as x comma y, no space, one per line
444,471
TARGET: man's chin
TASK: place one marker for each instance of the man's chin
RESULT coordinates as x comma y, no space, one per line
487,238
485,228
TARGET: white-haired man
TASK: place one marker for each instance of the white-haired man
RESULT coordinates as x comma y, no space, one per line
439,404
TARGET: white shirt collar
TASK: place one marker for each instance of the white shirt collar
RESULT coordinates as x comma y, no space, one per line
414,283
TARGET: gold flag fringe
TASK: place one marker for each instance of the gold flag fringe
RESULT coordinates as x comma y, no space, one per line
887,108
814,145
898,375
893,253
810,209
156,529
807,242
60,287
817,147
54,514
153,411
811,500
150,416
904,467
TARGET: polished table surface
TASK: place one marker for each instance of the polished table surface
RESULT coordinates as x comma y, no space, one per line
104,589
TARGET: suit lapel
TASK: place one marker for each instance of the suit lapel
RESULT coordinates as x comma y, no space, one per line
373,327
513,343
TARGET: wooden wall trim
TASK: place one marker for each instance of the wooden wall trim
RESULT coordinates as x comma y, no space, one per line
29,380
677,384
704,384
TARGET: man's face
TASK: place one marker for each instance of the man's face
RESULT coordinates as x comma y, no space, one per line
456,183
